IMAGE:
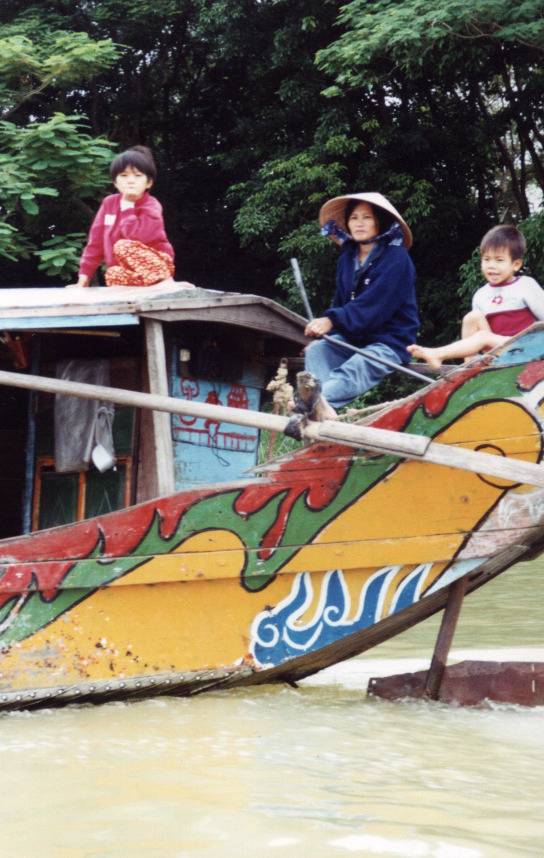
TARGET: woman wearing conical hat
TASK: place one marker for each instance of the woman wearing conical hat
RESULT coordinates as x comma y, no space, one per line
374,306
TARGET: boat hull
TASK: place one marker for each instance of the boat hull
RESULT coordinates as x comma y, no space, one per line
323,555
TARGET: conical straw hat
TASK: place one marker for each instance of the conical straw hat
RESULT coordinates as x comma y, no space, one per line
334,210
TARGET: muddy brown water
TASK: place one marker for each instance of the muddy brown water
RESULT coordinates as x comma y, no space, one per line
320,770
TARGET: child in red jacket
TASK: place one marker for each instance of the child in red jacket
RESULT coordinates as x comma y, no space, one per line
128,230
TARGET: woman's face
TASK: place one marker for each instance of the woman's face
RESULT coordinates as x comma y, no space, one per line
362,223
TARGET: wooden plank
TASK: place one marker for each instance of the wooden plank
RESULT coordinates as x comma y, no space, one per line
471,683
444,639
151,401
70,311
55,299
146,480
158,384
203,298
253,317
198,298
421,448
31,438
382,440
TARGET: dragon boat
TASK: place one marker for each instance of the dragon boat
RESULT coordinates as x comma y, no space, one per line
189,565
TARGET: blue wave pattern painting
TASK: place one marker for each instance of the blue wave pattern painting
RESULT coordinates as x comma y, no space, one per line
277,634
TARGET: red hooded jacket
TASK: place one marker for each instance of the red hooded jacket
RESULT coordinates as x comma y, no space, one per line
141,222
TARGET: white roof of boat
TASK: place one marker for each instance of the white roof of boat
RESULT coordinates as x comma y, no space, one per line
36,308
95,297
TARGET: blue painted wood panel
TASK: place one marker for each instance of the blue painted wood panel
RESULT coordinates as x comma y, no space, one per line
32,323
205,450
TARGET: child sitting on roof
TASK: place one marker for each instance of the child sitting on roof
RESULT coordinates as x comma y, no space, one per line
128,231
507,304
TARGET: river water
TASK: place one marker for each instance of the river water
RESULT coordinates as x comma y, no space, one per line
318,770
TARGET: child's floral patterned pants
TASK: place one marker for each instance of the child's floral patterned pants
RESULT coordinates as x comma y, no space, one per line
139,265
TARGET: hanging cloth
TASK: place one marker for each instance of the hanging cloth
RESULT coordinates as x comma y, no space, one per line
83,427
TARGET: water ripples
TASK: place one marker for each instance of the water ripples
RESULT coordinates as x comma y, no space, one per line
319,770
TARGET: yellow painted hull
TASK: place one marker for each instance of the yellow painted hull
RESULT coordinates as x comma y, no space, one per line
325,554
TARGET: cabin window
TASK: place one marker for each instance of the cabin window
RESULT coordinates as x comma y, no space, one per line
65,498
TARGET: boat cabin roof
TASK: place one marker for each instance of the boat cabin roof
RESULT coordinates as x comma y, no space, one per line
48,308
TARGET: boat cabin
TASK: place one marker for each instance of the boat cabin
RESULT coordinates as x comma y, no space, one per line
214,347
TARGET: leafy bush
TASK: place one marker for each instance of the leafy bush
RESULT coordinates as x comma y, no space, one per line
52,171
59,256
47,172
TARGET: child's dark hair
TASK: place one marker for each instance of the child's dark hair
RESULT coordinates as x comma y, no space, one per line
385,219
506,236
139,157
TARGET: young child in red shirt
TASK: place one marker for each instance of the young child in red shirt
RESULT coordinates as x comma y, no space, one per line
504,306
128,230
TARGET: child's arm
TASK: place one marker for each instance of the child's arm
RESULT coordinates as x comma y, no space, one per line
93,253
143,223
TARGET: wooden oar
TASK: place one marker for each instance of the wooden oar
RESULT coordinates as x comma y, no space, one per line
401,444
343,344
418,447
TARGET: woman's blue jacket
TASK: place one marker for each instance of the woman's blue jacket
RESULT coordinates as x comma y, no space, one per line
377,303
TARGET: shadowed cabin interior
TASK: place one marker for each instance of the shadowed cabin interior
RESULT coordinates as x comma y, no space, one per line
216,348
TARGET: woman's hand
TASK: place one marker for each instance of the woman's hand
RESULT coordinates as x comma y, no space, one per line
318,327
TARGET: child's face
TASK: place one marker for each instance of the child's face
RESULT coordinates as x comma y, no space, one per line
498,267
132,184
362,223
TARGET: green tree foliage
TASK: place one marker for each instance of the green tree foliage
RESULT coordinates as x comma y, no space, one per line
259,110
32,60
50,173
215,88
483,57
459,86
51,169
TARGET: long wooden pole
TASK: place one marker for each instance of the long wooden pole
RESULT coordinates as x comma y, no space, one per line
401,444
342,344
444,639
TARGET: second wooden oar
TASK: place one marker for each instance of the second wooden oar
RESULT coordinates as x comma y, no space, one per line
400,444
343,344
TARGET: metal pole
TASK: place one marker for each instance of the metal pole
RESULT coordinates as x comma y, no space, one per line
301,288
343,345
